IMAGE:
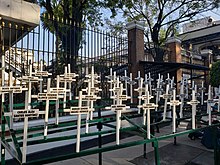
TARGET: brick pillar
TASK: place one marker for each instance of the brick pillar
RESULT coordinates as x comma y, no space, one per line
174,45
208,60
135,47
135,50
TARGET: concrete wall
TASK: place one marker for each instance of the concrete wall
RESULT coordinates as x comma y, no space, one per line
20,11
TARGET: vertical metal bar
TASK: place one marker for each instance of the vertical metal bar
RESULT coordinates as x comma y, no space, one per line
10,57
88,47
22,52
3,122
92,33
66,40
84,56
28,60
16,58
156,153
95,56
100,129
38,49
145,145
53,56
33,48
81,51
43,43
9,47
73,57
48,47
106,45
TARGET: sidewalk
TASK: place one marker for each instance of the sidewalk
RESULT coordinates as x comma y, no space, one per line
186,151
189,152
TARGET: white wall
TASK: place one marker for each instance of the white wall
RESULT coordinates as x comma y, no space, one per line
20,11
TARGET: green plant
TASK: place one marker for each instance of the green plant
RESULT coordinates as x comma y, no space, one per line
215,74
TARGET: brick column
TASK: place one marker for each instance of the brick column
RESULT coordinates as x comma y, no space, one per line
208,60
174,45
135,47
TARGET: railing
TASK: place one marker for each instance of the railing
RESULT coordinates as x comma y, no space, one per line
74,44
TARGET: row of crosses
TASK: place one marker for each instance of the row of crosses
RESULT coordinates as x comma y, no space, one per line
49,94
86,100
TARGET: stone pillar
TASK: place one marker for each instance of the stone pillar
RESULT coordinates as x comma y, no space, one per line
135,47
174,45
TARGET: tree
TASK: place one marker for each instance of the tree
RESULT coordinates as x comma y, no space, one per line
159,15
214,74
65,19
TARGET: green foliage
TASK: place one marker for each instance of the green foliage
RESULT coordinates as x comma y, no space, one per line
215,74
161,16
65,19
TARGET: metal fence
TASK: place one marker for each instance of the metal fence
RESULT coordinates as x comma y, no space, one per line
58,44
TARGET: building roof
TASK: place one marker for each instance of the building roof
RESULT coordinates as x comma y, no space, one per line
167,67
209,33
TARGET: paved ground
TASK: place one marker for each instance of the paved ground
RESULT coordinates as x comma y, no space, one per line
190,152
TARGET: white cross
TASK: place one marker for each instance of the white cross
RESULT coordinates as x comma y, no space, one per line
182,96
166,96
174,103
48,97
147,106
140,90
126,79
78,111
202,93
193,103
11,89
24,113
158,89
29,79
60,92
131,82
91,97
209,103
67,78
41,73
118,107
